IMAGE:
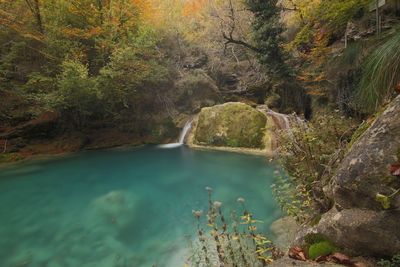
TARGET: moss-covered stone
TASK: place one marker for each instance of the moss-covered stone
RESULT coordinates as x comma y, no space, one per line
321,248
231,124
164,130
312,239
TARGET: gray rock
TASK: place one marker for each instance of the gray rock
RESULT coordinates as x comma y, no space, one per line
287,262
362,173
358,223
283,231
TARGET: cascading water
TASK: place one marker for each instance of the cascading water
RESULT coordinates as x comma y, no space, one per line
281,122
182,136
185,130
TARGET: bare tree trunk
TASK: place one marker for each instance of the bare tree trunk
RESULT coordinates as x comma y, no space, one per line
35,9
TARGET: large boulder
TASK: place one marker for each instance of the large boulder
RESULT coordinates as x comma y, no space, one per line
231,124
359,223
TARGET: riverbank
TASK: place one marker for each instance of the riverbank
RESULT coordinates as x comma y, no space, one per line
242,150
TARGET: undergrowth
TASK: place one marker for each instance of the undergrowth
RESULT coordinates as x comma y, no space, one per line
226,242
310,155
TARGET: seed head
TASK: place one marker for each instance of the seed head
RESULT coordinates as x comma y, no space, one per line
218,204
197,213
240,199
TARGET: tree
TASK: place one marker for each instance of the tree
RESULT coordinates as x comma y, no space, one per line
267,30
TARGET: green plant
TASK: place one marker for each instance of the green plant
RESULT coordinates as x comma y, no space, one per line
309,155
381,73
293,198
321,248
225,244
394,262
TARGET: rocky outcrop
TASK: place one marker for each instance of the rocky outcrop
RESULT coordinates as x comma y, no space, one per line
232,125
359,223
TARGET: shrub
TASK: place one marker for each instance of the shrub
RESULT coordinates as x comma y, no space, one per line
380,73
310,155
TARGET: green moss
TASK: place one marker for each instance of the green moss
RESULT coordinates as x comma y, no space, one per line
311,239
231,124
315,221
359,132
365,127
321,248
163,130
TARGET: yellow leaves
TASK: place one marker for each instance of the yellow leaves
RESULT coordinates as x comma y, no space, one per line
253,228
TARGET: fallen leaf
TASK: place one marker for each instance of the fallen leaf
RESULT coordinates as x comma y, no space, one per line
359,264
370,119
322,258
296,253
341,258
395,169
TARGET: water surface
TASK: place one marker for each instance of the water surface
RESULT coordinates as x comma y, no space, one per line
122,208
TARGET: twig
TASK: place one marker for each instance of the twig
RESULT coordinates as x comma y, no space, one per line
5,146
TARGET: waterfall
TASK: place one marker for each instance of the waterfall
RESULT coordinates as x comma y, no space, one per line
280,122
185,130
182,136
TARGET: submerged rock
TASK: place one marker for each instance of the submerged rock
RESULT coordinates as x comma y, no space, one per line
359,223
283,231
231,124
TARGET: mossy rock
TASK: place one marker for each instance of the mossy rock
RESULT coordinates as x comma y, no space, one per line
312,239
321,248
232,125
315,221
163,130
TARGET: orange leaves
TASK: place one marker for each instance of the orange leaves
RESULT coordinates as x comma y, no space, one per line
313,82
193,8
85,34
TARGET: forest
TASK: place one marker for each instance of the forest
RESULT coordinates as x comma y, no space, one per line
312,85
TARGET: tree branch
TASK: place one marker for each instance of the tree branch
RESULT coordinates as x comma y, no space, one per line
230,40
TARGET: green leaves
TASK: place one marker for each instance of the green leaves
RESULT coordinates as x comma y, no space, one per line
267,30
384,200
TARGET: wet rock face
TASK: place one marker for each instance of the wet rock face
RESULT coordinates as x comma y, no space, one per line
359,223
231,124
